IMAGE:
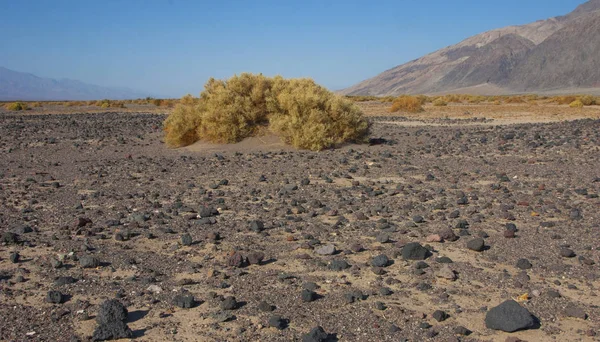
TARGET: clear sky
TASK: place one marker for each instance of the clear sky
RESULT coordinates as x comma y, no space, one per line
171,47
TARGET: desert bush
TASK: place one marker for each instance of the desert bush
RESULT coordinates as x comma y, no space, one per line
188,100
301,112
36,104
16,106
514,99
439,102
406,103
587,100
562,100
576,104
309,116
452,98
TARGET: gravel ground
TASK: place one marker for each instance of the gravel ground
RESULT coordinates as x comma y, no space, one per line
468,215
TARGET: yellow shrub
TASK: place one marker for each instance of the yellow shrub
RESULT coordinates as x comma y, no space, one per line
439,102
576,104
588,100
301,112
309,116
514,99
406,103
561,100
36,104
16,106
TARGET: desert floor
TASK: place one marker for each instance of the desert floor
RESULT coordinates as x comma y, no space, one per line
95,206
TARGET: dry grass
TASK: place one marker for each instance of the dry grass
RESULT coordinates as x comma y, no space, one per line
408,104
576,104
439,102
17,106
302,113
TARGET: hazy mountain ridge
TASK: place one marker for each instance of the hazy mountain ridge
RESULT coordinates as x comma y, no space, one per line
506,60
16,85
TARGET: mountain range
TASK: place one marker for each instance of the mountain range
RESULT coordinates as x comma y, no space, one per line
16,85
557,55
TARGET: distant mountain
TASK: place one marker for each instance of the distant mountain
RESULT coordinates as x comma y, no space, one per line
560,54
23,86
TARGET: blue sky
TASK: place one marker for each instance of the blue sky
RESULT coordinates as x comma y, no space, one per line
171,47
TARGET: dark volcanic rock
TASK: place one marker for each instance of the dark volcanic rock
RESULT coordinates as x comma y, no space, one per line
54,297
316,334
255,258
184,301
414,251
277,322
524,264
380,261
111,319
88,261
476,244
338,265
229,303
509,317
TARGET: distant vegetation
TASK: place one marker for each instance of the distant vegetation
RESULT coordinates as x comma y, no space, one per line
16,106
407,103
304,114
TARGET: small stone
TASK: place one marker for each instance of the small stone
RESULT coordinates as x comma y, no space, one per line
509,234
380,306
418,219
338,265
575,312
460,330
383,238
255,258
186,240
184,301
509,317
277,322
14,257
476,244
567,253
316,334
54,297
439,315
308,296
380,261
446,272
236,260
524,264
326,250
265,307
257,226
414,251
229,303
434,238
88,261
154,288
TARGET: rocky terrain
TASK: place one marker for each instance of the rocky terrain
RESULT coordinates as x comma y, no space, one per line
556,55
449,230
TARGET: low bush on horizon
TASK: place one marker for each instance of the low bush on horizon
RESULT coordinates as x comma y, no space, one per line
439,102
302,113
109,104
407,103
576,104
16,106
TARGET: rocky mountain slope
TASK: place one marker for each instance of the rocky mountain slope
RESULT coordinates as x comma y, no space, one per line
556,54
24,86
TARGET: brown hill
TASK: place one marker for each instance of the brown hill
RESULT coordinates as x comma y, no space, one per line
548,55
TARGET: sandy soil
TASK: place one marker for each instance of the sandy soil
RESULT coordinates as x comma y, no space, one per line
104,185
